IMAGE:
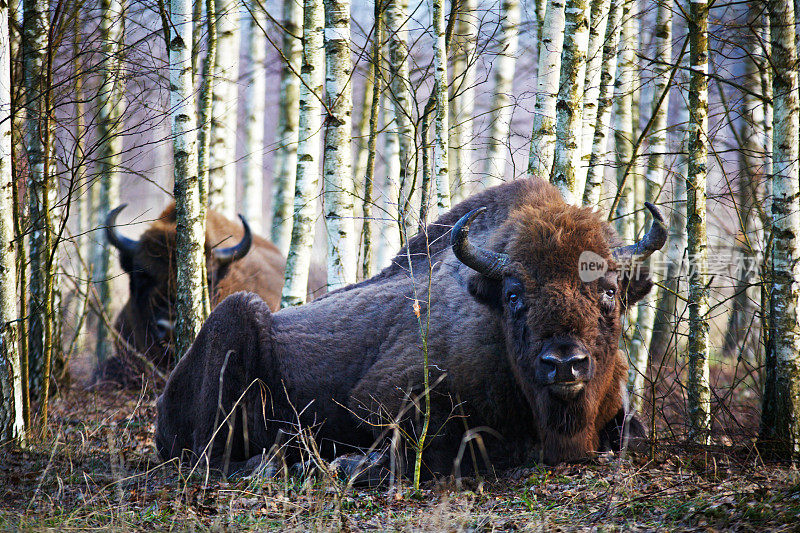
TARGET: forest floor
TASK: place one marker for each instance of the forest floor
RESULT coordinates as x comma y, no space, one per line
98,469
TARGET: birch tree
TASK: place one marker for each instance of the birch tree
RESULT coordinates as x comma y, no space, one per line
462,97
109,117
594,65
504,67
623,135
780,423
569,106
254,102
441,143
654,183
190,252
222,169
285,163
337,165
697,348
12,425
36,66
390,200
308,155
593,189
543,139
397,20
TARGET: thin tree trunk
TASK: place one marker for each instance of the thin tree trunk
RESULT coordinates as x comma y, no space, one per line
594,66
222,170
780,423
389,242
623,135
369,171
35,45
540,162
697,348
308,156
190,252
361,132
569,106
397,20
288,127
254,102
109,105
593,190
462,98
504,67
12,423
441,141
654,183
337,165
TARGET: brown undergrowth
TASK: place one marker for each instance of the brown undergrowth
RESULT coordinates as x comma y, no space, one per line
98,469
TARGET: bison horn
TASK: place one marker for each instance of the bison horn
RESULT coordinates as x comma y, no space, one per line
487,262
654,239
234,253
120,242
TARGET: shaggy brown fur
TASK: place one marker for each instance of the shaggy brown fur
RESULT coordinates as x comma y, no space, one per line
152,282
351,362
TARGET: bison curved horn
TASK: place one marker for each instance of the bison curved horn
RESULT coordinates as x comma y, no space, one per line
234,253
654,239
117,240
487,262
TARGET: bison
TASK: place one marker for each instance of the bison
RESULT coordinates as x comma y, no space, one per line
236,260
523,352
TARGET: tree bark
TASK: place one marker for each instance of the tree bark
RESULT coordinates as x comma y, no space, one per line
540,162
308,155
780,423
288,127
222,168
190,253
569,106
441,143
494,169
337,166
697,348
462,98
254,102
12,425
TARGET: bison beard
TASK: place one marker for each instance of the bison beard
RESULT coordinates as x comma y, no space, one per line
523,354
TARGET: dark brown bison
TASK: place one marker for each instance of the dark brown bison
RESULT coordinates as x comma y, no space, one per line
236,260
523,354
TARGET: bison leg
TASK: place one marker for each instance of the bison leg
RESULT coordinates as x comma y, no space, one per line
614,434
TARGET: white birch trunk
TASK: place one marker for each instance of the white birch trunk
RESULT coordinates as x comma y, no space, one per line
109,125
222,168
697,347
288,126
441,141
654,182
594,66
389,242
623,135
593,190
190,253
308,155
397,22
780,422
12,425
254,102
337,167
462,101
540,162
569,106
505,65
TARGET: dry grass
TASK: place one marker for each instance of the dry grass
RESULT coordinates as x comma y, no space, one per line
99,470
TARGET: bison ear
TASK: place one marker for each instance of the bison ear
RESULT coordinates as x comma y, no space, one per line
635,286
485,290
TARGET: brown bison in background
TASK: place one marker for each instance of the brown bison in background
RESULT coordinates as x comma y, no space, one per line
523,354
236,260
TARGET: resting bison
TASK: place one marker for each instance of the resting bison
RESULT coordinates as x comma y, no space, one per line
236,260
522,352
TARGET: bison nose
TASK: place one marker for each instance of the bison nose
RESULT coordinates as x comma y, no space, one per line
564,364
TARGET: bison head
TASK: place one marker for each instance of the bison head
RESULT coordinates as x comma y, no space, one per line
562,327
147,320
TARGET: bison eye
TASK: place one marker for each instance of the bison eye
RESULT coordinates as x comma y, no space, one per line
610,293
608,300
513,299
